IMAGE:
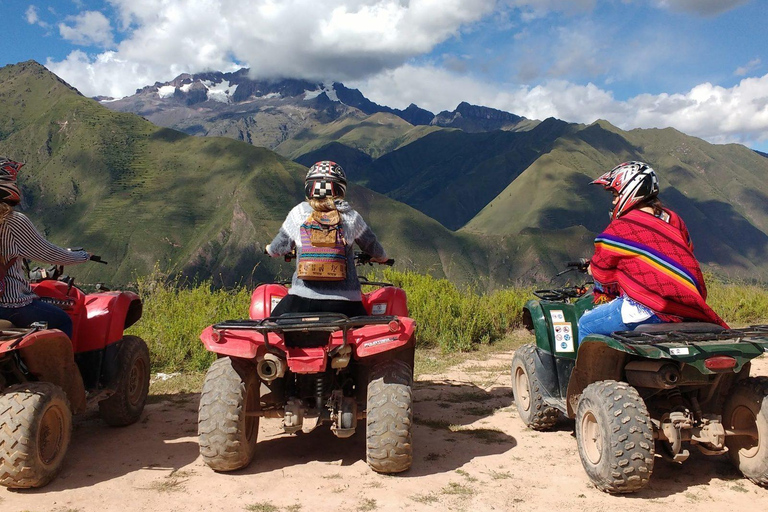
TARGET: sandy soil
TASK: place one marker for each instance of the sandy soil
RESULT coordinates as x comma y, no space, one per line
471,453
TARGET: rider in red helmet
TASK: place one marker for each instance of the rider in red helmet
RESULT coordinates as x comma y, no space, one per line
644,268
18,240
327,214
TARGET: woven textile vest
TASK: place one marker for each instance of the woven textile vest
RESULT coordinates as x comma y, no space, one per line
323,255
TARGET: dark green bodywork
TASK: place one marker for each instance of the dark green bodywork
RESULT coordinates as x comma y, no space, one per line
558,358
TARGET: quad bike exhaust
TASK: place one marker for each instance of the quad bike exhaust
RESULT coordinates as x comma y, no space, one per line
270,367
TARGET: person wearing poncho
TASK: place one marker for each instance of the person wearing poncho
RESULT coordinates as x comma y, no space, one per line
643,267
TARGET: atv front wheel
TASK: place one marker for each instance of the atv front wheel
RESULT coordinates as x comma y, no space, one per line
527,389
227,421
35,430
389,447
615,437
125,406
746,409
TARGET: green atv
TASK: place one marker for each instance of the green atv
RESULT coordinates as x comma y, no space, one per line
657,390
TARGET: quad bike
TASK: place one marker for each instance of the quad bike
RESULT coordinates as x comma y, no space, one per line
657,390
309,369
45,377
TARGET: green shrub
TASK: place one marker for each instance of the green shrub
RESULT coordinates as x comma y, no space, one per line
174,316
448,317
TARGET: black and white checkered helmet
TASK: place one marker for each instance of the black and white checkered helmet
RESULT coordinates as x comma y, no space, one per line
325,179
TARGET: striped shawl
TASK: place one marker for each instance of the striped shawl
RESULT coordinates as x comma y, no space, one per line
652,262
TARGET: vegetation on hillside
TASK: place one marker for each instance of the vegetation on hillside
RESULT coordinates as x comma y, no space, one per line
449,318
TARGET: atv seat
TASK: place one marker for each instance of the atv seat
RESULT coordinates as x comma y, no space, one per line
691,327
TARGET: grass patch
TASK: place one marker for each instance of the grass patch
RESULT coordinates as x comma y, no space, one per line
457,489
182,383
466,475
499,475
425,499
367,505
262,506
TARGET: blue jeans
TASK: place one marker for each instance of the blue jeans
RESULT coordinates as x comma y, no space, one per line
39,311
606,318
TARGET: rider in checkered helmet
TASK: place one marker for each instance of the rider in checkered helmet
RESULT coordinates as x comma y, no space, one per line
325,188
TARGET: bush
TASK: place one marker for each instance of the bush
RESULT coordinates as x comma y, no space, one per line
175,315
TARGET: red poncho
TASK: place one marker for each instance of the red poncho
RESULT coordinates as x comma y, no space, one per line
652,262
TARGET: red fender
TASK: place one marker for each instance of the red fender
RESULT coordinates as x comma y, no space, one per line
105,319
264,299
375,339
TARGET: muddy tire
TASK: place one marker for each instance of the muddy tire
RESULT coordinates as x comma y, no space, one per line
615,437
227,433
35,430
389,447
747,408
527,389
125,406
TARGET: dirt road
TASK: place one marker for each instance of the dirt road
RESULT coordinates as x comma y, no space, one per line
471,453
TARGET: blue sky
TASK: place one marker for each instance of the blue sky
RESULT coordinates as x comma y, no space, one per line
697,65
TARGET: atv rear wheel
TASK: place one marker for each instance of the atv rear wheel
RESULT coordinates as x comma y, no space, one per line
35,430
615,437
125,406
389,447
747,409
226,423
527,389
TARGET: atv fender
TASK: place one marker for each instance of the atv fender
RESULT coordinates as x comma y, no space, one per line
377,339
599,358
109,313
242,344
48,355
546,371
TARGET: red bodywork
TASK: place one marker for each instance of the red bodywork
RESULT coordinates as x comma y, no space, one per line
98,319
365,341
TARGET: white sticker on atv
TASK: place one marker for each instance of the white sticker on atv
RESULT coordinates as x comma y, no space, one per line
274,300
379,308
557,316
563,336
679,351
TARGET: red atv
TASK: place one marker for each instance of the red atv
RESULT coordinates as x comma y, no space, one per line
308,369
45,377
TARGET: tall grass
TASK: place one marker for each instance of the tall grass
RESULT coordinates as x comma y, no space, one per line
174,316
449,318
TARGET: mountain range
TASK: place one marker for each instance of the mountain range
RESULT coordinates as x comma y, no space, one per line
197,174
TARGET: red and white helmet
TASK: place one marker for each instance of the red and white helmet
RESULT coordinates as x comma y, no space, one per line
633,182
325,179
9,190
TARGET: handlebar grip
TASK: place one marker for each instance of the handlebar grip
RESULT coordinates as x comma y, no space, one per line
97,259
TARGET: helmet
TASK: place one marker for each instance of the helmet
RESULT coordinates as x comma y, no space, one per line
633,182
325,179
9,190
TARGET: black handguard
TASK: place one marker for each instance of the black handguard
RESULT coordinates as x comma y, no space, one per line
581,265
97,259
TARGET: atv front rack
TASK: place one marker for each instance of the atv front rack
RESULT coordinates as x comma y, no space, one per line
308,322
670,334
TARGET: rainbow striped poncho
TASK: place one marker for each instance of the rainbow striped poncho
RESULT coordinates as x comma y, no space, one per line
651,261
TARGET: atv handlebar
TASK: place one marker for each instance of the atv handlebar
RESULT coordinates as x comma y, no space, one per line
362,258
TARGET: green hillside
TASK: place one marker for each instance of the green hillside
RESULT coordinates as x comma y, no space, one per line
140,195
374,135
720,191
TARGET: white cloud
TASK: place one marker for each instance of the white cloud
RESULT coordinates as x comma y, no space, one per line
700,7
33,17
318,39
90,28
717,114
748,68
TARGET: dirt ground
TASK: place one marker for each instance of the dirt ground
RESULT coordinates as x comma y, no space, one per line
471,453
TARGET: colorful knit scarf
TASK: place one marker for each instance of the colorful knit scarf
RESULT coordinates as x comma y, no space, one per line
652,262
